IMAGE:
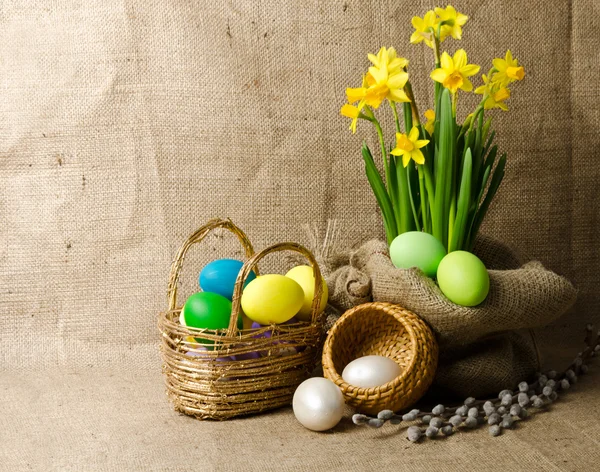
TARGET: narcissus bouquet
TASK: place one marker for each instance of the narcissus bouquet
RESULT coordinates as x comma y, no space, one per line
440,176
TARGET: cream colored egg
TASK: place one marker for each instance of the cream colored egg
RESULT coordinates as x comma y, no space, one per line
305,277
318,404
371,371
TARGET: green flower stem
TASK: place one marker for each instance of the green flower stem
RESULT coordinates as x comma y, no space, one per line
383,199
443,169
464,202
424,204
386,166
410,169
429,187
413,103
396,119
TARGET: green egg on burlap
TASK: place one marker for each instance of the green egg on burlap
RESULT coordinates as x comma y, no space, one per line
463,278
417,249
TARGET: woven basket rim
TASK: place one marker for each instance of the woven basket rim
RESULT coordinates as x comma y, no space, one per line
390,310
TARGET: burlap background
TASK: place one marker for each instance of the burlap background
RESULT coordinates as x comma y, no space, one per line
126,124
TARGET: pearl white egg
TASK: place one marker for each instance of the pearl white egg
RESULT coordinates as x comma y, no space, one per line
318,404
371,371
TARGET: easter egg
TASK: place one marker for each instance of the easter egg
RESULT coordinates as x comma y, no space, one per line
463,278
219,277
371,371
272,298
417,249
207,310
318,404
305,277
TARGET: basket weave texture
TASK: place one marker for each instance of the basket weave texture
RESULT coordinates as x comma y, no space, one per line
231,379
386,330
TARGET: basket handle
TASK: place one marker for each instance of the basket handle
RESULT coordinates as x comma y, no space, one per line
198,236
251,263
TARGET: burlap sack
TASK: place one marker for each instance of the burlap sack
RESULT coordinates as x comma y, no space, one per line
483,349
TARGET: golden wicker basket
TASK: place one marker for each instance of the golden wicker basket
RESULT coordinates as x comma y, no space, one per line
245,372
386,330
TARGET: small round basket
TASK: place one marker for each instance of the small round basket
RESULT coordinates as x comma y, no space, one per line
386,330
232,372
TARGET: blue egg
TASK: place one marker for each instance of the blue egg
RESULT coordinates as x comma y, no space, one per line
219,277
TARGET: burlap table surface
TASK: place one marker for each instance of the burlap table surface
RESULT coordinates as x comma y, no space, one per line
125,125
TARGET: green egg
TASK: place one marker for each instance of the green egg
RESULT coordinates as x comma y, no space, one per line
463,278
417,249
207,310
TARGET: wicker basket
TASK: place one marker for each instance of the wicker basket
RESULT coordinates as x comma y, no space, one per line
258,373
386,330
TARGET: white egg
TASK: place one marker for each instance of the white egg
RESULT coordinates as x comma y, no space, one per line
371,371
318,404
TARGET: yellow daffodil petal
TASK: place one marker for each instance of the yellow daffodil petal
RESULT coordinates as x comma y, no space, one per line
418,157
398,95
446,61
397,80
481,89
429,115
461,19
516,73
469,70
466,85
416,38
379,75
397,64
405,159
404,142
414,134
499,64
460,59
421,143
350,111
439,75
502,94
355,94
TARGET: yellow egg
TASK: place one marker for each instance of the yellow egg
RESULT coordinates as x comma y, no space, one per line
272,298
305,277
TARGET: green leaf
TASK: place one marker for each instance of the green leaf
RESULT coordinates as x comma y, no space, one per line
494,185
444,168
393,188
491,157
406,222
411,178
381,195
464,203
475,206
486,128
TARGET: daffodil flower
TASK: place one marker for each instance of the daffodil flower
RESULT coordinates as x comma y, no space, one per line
452,22
454,71
430,123
386,78
388,57
409,147
507,70
423,28
495,94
